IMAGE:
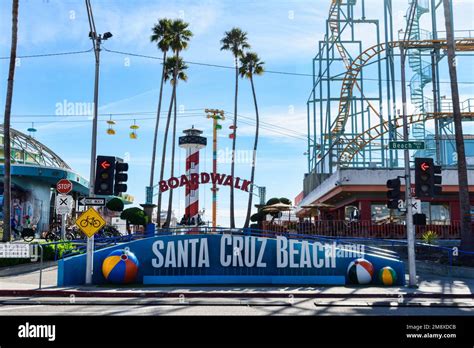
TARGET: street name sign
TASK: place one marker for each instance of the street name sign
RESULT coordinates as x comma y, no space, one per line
92,201
406,145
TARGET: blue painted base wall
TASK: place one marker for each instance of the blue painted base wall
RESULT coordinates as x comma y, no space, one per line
288,280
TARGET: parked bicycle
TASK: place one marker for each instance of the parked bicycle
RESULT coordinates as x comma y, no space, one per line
54,234
28,234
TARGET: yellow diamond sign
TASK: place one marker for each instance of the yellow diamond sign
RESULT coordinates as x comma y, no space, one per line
90,222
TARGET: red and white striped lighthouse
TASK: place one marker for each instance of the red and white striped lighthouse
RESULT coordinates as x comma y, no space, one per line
193,142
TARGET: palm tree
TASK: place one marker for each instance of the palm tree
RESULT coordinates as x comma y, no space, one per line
252,65
467,235
169,72
235,41
6,128
178,41
161,32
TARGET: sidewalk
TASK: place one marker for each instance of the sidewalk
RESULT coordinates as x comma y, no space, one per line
26,283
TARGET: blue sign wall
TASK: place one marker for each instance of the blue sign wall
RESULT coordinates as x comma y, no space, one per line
234,259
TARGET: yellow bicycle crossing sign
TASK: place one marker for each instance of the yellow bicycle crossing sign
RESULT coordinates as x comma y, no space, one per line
90,222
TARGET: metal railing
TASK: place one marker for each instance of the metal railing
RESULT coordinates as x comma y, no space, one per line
362,229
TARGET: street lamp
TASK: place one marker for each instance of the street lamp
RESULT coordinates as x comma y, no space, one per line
97,41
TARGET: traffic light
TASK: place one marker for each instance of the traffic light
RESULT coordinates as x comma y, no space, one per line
104,175
121,177
427,178
394,194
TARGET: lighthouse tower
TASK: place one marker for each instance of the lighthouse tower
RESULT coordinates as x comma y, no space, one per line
192,141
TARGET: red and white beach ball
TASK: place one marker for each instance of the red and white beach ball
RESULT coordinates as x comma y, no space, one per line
360,271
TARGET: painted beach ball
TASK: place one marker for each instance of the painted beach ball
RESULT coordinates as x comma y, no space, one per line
360,271
387,276
120,267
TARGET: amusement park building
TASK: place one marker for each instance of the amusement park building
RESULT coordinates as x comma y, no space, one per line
35,171
354,112
364,190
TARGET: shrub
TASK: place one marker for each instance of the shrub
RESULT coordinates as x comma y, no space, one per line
49,251
429,237
272,201
134,216
115,204
13,262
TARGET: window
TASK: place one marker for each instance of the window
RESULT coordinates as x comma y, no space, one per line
379,213
382,215
440,214
351,213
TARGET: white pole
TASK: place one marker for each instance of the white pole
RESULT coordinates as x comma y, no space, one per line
63,226
90,241
408,198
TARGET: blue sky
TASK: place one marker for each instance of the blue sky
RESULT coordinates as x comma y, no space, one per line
283,33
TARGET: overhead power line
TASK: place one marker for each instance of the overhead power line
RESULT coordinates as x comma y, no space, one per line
51,54
131,54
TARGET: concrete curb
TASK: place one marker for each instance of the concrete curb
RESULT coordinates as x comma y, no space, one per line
160,294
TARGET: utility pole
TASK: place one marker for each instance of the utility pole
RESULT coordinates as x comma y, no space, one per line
7,193
215,115
96,41
408,198
467,237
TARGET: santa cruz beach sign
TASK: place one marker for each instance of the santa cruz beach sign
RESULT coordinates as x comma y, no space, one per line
234,259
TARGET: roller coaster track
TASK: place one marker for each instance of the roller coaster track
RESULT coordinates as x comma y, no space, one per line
335,37
350,78
355,145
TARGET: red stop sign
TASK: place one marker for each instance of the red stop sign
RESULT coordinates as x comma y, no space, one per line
64,186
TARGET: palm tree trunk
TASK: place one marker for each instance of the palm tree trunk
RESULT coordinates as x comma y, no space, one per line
163,157
254,155
155,137
467,237
232,168
6,128
170,200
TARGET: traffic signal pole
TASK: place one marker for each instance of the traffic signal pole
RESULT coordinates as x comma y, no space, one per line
408,197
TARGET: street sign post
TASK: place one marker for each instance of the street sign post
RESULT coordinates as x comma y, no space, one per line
64,186
92,201
406,145
90,222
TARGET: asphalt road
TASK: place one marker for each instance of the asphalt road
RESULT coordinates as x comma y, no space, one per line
232,307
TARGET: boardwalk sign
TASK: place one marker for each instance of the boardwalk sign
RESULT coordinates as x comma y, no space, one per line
193,180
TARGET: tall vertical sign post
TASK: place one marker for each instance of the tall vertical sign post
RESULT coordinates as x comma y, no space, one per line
408,197
216,115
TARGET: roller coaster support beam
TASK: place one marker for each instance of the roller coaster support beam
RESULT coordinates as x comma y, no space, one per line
408,198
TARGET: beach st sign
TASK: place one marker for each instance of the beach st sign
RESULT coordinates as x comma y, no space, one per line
194,180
